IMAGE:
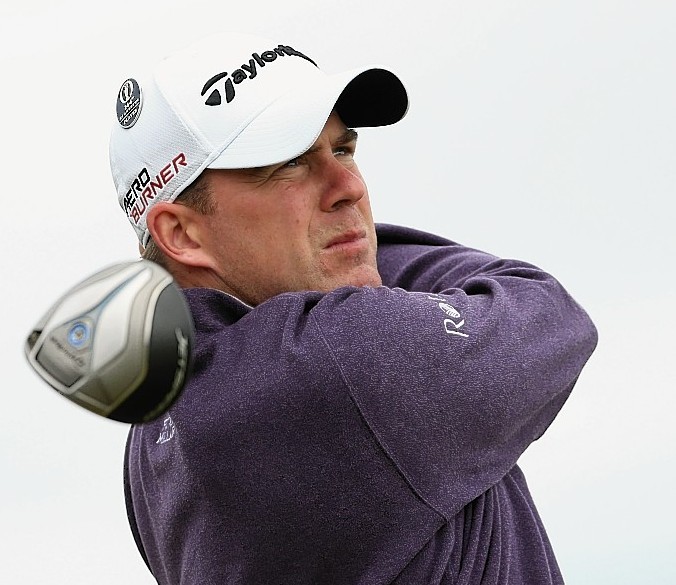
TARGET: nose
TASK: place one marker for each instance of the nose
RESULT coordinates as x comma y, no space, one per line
343,185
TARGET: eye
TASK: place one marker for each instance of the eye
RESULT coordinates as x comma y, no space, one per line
346,152
294,162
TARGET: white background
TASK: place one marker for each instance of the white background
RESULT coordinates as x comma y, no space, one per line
538,130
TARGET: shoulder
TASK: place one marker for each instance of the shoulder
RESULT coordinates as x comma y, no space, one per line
394,234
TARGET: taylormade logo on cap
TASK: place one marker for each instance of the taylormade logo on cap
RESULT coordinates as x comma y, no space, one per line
193,111
246,71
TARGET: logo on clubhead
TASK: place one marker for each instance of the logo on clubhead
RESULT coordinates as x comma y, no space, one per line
79,335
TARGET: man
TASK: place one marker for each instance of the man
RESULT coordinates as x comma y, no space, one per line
360,396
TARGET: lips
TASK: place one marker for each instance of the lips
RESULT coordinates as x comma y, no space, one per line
346,238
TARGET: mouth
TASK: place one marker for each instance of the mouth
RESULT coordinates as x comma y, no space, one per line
347,240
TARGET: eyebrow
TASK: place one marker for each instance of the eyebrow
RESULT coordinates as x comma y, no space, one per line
349,135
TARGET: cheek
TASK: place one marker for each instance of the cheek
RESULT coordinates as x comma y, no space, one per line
231,241
364,206
287,223
280,240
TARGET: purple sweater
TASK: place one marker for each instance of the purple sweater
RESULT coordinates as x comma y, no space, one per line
364,436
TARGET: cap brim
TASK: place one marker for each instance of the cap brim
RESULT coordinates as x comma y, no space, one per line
291,124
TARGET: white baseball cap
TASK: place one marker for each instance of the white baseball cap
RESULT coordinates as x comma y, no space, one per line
232,101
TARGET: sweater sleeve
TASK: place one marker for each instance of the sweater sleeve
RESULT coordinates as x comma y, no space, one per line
329,437
460,370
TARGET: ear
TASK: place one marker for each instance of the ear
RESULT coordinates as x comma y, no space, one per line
177,231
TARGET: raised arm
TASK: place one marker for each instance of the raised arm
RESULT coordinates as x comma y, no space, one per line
458,380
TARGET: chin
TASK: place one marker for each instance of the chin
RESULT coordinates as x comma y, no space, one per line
363,276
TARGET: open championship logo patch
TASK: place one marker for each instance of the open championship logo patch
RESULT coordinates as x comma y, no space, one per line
129,102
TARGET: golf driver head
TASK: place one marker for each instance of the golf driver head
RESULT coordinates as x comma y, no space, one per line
118,343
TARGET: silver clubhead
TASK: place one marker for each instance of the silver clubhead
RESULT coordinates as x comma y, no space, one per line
118,343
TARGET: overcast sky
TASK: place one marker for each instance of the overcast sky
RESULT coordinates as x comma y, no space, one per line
538,130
